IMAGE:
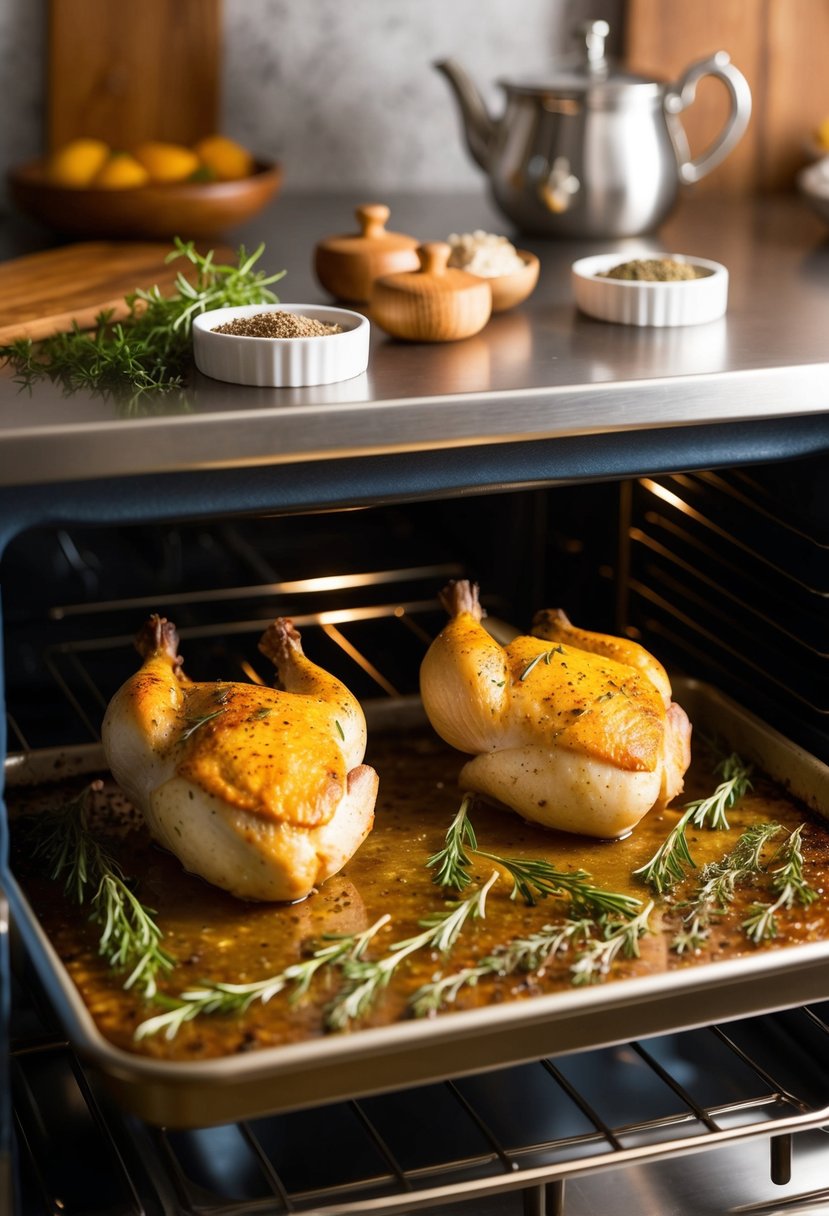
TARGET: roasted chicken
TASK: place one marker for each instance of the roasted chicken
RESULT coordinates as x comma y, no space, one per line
261,791
574,730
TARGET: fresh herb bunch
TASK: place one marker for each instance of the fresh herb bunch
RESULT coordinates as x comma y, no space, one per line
671,861
129,937
150,349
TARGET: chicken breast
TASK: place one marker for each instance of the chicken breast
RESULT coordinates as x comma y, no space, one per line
261,791
573,730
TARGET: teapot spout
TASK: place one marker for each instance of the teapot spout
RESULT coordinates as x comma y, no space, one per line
479,127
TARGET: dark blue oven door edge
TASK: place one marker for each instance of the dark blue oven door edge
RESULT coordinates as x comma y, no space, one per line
407,476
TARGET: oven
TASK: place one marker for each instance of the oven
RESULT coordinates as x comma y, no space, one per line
668,486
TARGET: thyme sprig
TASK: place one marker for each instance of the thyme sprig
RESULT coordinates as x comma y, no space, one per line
365,980
788,881
130,937
521,954
672,860
718,883
223,998
532,878
617,935
150,349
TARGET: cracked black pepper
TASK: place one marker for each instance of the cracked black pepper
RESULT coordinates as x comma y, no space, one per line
278,324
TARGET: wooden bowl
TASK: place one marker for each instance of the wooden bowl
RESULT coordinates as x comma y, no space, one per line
347,266
511,289
185,209
436,303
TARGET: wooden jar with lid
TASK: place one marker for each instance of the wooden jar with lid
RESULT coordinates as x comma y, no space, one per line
436,303
348,265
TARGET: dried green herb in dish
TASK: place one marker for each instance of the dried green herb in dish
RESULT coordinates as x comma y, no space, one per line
654,270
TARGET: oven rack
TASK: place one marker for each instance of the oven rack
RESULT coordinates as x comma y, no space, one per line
519,1132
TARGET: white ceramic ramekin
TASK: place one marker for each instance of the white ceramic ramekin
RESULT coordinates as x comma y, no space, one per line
635,302
281,362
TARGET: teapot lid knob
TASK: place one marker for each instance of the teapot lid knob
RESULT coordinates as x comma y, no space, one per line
594,34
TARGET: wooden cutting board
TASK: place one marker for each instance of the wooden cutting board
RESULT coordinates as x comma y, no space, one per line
44,293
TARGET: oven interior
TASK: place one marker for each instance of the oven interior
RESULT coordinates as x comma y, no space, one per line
723,574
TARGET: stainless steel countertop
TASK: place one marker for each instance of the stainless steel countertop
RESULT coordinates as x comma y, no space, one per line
539,372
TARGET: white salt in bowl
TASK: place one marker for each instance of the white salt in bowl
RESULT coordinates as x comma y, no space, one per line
281,362
638,302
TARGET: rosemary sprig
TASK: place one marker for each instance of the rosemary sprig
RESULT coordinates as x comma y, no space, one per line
452,861
736,781
150,349
194,724
222,998
532,878
672,859
718,883
535,878
545,657
129,935
787,879
365,980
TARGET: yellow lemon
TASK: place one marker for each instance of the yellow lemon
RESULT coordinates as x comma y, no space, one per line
77,162
121,172
166,162
224,158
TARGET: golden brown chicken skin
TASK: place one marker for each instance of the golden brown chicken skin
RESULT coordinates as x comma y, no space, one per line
564,729
261,791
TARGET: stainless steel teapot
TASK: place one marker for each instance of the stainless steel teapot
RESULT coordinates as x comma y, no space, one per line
594,151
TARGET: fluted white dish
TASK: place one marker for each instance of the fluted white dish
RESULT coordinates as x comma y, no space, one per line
281,362
637,302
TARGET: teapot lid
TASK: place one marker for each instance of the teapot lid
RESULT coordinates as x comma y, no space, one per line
588,70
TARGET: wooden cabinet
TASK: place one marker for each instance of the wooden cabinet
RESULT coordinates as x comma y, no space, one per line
780,46
126,72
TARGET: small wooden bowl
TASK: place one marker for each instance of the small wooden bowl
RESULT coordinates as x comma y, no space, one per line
185,209
511,289
433,304
348,265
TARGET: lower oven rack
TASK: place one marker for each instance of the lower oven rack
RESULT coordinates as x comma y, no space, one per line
505,1138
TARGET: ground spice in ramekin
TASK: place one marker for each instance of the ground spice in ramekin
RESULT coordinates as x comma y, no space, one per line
278,324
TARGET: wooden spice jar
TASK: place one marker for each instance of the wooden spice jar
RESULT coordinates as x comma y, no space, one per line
436,303
348,265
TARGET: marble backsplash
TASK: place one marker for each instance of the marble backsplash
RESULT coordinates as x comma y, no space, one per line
342,92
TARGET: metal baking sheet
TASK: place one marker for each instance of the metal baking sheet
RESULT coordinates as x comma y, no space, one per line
376,1059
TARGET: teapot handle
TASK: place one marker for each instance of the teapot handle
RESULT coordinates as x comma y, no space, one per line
680,95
